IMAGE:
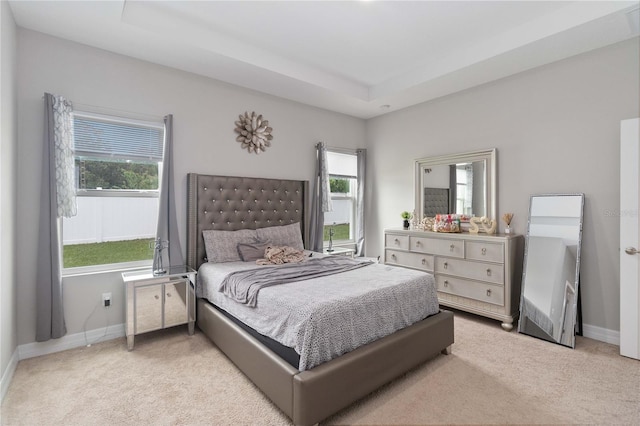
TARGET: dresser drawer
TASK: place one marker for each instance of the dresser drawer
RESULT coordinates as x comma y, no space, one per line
471,289
412,260
474,270
446,247
396,241
489,252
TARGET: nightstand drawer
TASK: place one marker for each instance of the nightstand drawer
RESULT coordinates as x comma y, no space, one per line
471,289
483,251
445,247
396,241
412,260
493,273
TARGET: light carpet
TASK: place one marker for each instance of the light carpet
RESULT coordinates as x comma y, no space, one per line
170,378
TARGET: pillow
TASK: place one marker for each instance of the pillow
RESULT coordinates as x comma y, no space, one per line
222,246
286,235
250,252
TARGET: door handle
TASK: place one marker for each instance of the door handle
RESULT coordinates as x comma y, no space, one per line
631,250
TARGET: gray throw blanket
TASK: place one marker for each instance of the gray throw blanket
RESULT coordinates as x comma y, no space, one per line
243,286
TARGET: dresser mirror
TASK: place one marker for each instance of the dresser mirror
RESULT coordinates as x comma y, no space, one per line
549,302
458,184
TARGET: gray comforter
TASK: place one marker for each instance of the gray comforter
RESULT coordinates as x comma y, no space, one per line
243,286
322,318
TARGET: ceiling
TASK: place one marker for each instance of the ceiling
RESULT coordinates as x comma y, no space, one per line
361,58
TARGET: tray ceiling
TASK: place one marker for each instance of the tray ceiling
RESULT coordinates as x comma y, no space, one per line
361,58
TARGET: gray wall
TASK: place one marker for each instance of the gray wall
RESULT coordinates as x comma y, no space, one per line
556,129
204,114
8,156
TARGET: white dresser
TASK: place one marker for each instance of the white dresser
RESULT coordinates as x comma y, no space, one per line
477,273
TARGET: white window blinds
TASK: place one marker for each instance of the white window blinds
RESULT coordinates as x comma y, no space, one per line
342,165
100,137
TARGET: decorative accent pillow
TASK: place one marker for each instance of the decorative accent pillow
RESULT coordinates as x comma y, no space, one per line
285,235
250,252
222,246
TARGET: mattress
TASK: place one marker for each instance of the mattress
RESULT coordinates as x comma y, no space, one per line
323,318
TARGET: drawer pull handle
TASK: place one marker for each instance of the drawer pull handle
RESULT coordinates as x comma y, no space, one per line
488,272
168,294
156,297
393,256
446,283
489,293
484,251
451,247
418,243
424,261
397,241
446,265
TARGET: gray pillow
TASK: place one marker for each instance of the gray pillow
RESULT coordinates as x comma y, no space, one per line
286,235
250,252
222,246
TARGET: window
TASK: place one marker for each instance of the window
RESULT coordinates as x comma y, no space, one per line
464,189
343,175
118,163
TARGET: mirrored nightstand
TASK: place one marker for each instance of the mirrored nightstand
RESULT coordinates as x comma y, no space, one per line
154,302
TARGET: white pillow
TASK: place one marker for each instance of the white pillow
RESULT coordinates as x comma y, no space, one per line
286,235
222,246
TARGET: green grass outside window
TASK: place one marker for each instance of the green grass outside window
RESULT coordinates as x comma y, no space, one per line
76,255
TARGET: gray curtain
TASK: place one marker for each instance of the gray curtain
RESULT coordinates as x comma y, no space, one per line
453,189
362,160
321,199
58,145
167,221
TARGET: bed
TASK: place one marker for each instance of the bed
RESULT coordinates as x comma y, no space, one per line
309,396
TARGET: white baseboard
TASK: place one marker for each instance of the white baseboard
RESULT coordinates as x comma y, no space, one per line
601,334
34,349
8,375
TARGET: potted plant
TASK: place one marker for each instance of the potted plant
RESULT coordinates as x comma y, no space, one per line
406,216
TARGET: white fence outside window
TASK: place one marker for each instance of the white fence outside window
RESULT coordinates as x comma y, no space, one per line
101,219
340,214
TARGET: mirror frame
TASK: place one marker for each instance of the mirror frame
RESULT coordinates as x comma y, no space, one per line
576,308
487,155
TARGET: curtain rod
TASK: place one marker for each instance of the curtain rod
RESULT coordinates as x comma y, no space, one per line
343,150
113,111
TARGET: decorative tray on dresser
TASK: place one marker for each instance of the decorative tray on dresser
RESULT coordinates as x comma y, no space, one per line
477,273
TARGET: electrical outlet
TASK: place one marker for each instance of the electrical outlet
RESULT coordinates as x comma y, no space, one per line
106,299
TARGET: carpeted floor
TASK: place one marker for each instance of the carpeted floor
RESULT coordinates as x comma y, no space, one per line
173,379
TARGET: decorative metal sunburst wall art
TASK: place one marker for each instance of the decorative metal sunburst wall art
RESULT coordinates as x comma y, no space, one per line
254,133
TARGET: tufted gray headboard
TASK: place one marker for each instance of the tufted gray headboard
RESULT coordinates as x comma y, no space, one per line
436,201
230,203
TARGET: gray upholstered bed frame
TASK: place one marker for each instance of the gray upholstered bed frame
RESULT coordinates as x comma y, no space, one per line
307,397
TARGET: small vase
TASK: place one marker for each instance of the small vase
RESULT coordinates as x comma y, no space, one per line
405,224
507,230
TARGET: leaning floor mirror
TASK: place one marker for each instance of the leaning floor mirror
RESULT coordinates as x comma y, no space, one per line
549,303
